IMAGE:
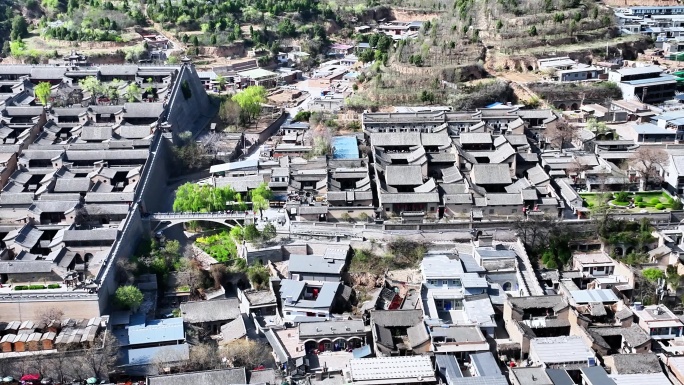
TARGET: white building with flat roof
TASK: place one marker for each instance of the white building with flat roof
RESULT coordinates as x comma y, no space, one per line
390,370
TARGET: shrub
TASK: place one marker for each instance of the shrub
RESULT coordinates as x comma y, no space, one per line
36,287
54,286
21,287
659,206
622,196
641,205
638,199
129,297
654,201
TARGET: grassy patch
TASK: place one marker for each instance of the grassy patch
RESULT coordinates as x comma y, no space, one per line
652,201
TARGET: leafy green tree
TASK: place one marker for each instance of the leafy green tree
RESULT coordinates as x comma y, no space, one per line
195,198
251,233
92,86
129,297
132,92
260,198
250,100
532,31
653,274
221,80
42,92
269,232
259,276
19,28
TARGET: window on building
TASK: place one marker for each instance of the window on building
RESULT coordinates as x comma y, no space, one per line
456,282
445,282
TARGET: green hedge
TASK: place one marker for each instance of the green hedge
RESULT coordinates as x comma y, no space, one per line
36,287
659,206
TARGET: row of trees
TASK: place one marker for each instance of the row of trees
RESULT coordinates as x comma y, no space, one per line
191,197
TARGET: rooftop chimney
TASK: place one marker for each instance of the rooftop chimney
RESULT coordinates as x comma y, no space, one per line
484,241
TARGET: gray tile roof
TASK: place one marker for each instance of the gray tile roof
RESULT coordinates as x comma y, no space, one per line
90,235
330,328
65,185
96,133
538,302
403,175
634,335
25,267
85,155
143,110
12,199
459,333
486,174
210,311
207,377
503,199
260,297
133,132
96,197
636,363
45,73
38,207
387,139
396,318
429,197
234,329
476,138
118,70
314,264
27,236
263,377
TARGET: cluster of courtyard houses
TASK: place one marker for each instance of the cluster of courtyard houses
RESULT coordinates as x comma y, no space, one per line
422,164
70,173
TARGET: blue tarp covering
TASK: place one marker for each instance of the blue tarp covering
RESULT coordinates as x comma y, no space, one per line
494,105
345,147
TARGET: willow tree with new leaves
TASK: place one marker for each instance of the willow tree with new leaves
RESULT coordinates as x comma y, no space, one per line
250,100
42,92
195,198
260,198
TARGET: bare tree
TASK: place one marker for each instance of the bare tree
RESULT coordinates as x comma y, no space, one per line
100,357
219,274
247,353
204,357
59,364
46,316
562,134
650,162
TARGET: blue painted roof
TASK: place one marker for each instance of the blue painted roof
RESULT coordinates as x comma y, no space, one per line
657,80
362,352
594,295
158,330
486,364
652,129
146,356
345,147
